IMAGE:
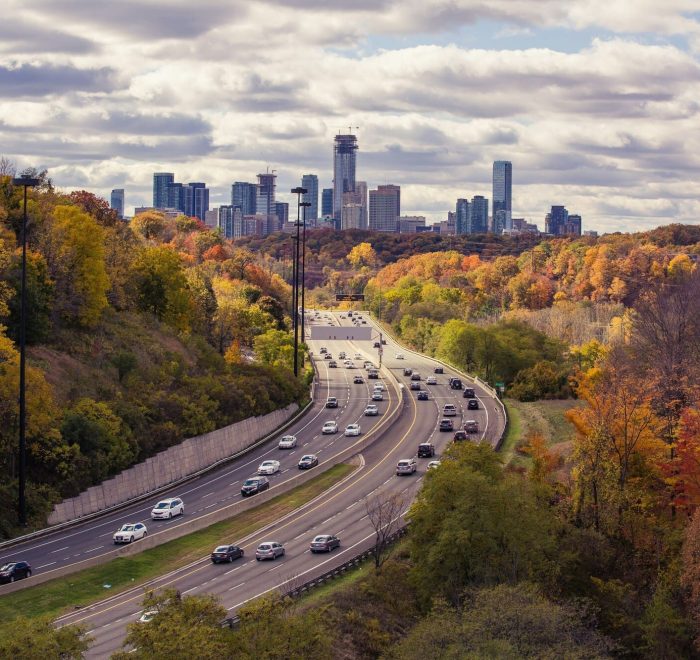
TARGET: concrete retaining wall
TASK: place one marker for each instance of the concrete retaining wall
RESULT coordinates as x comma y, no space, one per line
173,464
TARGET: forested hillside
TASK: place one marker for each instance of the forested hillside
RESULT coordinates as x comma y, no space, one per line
139,335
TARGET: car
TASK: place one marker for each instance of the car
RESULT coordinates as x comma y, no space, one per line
473,404
352,429
368,365
455,383
406,466
379,386
307,461
377,395
471,426
422,396
459,436
323,350
329,427
433,464
358,380
226,553
407,371
349,365
15,570
341,355
173,506
287,442
364,322
269,467
426,450
331,402
373,374
449,410
254,485
414,386
447,425
371,410
376,344
438,370
357,356
327,356
269,550
415,376
399,356
349,315
332,364
469,393
342,316
147,616
383,342
359,316
324,543
129,533
346,362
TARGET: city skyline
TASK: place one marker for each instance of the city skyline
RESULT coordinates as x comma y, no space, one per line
589,100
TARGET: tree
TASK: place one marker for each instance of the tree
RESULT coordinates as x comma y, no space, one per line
275,348
150,225
690,573
384,511
26,638
95,206
362,254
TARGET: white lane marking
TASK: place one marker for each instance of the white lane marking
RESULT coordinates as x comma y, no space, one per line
233,483
233,570
60,549
45,565
236,587
208,494
93,549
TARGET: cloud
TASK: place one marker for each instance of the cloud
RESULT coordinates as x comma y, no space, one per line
43,80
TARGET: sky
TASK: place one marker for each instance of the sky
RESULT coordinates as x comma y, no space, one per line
595,102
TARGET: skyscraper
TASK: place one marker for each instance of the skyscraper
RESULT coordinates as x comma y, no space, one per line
344,161
327,202
265,202
462,216
282,213
478,216
361,195
177,197
116,201
197,200
384,208
161,181
555,220
310,182
502,195
243,195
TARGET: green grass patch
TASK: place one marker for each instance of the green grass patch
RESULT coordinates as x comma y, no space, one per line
514,432
80,589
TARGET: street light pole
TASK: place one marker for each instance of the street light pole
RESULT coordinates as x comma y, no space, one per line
26,182
304,206
298,191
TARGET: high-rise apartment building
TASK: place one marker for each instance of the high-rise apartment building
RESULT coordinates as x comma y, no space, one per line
327,202
502,196
555,220
244,195
361,196
265,202
462,216
352,216
282,213
310,183
177,197
161,181
344,162
196,200
384,208
478,216
116,201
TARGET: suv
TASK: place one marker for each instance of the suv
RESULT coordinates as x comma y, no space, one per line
15,570
426,450
406,466
446,425
414,386
469,393
473,404
455,383
471,426
438,370
422,396
373,373
407,371
173,506
459,435
449,410
254,485
331,402
415,376
269,550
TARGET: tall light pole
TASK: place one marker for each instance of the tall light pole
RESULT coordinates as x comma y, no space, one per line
26,182
298,191
304,206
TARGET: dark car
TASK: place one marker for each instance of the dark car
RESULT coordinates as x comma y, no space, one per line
415,376
414,386
469,393
254,485
373,374
331,402
426,450
460,435
15,570
324,543
473,404
358,380
446,425
308,461
327,356
227,553
455,383
471,426
333,364
438,370
422,396
407,371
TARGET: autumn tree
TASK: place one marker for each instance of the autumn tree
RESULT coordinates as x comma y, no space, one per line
362,254
690,575
26,638
150,225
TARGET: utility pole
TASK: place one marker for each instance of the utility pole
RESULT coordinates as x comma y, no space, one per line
304,206
298,191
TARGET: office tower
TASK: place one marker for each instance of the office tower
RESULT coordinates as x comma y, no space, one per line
572,227
352,216
177,197
161,181
226,220
502,195
462,216
478,215
116,201
361,196
384,208
265,202
344,161
282,213
411,224
555,220
310,182
327,202
200,200
243,195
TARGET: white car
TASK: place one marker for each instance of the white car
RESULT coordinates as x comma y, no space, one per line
431,380
148,616
433,464
379,387
358,356
130,532
399,356
329,427
371,410
287,442
352,429
166,509
377,395
269,467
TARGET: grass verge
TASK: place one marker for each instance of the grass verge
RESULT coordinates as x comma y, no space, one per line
80,589
514,432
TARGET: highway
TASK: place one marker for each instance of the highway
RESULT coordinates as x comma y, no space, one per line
340,511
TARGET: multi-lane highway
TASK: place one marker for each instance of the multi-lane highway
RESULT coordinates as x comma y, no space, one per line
340,511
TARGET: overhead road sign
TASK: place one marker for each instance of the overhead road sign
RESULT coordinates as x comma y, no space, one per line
339,297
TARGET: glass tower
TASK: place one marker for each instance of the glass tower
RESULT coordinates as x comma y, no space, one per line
344,161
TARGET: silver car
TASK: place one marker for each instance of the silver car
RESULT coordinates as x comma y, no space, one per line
269,550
